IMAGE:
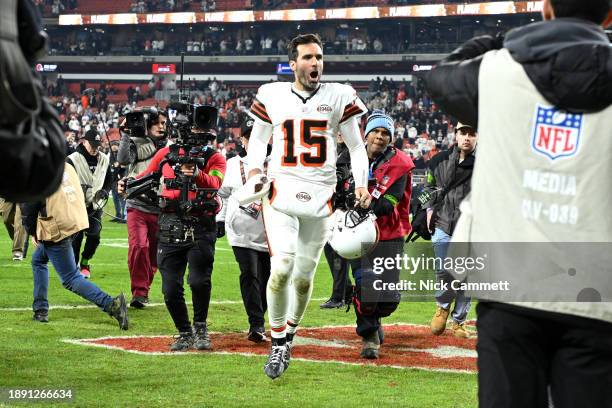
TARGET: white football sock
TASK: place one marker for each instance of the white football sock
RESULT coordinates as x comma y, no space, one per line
278,293
303,275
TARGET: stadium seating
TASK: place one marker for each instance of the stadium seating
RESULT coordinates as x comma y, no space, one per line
120,88
103,6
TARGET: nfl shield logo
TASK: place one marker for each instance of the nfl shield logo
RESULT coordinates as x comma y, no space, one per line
556,133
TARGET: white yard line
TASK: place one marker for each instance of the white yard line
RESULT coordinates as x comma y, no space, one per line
123,243
70,307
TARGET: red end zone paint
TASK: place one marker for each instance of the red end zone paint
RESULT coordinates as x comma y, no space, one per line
405,346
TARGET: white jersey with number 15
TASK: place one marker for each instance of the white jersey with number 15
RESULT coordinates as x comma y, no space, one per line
305,129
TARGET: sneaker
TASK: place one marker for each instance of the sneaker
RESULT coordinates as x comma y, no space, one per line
139,302
332,304
438,322
257,335
459,331
41,315
275,365
371,346
119,311
201,339
85,272
183,341
17,256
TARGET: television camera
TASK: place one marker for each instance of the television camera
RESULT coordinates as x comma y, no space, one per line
192,128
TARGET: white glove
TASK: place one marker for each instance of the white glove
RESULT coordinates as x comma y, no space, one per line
254,189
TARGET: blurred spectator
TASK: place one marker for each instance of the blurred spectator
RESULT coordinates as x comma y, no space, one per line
377,45
239,47
248,45
281,46
266,45
57,7
11,215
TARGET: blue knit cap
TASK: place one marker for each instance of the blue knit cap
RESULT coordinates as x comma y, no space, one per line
380,119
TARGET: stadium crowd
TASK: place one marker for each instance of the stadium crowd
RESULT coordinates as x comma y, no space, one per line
427,36
421,128
96,43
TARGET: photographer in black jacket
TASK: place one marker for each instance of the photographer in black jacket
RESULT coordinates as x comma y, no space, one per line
193,172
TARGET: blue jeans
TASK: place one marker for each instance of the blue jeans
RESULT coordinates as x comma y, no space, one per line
119,201
62,258
444,298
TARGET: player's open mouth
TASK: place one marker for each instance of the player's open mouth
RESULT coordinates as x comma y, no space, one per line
314,75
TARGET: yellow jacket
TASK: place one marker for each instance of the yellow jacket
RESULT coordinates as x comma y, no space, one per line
65,212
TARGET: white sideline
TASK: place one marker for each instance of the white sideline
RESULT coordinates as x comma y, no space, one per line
70,307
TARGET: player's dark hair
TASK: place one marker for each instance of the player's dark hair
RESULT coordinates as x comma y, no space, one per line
592,10
299,40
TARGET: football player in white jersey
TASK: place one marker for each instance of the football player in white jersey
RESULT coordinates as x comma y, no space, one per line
303,119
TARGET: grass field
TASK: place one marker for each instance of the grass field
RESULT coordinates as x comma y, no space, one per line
33,355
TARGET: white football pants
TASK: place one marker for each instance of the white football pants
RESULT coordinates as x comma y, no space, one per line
295,245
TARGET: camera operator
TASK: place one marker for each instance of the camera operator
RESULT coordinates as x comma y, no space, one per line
187,235
247,236
93,168
144,135
390,184
32,148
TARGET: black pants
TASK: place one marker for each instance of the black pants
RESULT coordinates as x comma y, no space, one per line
370,305
92,237
522,352
342,288
172,259
254,273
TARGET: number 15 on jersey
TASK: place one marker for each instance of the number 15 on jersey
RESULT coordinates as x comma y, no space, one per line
307,130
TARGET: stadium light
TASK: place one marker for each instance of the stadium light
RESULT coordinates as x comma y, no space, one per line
349,13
